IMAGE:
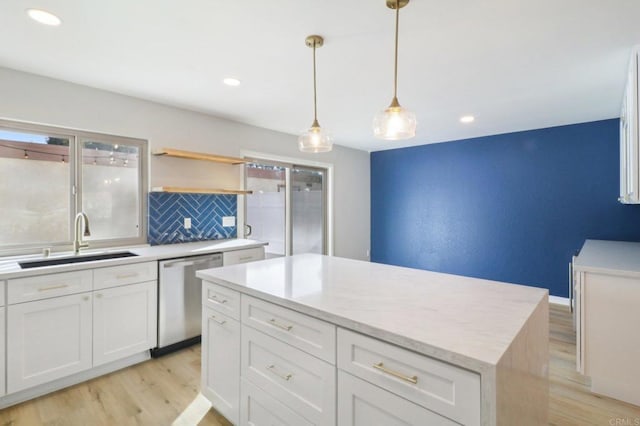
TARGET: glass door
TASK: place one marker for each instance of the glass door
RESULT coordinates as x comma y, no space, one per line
287,208
265,207
308,209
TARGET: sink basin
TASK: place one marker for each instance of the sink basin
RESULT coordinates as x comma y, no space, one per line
74,259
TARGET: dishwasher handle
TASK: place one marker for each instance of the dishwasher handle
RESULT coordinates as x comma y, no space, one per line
185,263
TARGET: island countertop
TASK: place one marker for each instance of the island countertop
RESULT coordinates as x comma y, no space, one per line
467,321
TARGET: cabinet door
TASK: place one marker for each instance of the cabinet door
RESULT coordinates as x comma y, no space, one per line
362,404
49,339
2,353
259,408
124,321
221,363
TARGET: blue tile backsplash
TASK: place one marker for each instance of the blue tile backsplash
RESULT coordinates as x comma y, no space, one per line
167,212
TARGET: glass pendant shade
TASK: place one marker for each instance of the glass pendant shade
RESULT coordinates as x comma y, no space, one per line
315,139
394,123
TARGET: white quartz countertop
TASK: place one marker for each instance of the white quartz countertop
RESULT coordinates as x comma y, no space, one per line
614,257
466,321
9,267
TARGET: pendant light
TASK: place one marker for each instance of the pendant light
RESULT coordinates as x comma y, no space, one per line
395,122
315,139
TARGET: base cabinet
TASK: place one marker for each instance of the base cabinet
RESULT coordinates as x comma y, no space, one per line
608,340
50,339
62,324
2,352
221,363
259,370
259,408
362,404
124,321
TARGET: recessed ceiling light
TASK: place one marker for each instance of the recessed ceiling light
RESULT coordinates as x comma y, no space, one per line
44,17
231,81
467,119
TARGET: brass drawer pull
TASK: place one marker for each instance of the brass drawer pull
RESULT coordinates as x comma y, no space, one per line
214,298
284,327
54,287
123,276
380,366
213,317
272,368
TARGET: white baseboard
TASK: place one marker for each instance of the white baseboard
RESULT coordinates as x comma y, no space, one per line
556,300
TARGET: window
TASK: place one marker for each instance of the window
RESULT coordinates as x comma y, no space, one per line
48,175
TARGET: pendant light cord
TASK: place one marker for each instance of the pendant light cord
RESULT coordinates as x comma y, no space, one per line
315,100
395,68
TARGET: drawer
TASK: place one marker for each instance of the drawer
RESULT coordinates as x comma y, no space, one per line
124,274
443,388
258,408
302,382
221,299
46,286
2,287
362,404
242,256
304,332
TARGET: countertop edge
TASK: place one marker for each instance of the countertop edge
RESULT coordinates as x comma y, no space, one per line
181,250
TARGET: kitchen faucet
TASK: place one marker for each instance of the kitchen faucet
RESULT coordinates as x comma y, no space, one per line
77,237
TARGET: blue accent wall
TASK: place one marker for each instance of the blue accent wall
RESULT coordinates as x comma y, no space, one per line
167,212
511,207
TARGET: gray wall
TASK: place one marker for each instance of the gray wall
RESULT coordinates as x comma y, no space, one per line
32,98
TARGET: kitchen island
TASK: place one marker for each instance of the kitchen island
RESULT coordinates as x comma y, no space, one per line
311,339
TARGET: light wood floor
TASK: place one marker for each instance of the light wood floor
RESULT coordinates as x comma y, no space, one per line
158,391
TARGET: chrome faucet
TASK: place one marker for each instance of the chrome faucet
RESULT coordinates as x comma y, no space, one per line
77,237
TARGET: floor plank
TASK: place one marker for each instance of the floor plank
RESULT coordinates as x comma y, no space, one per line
164,390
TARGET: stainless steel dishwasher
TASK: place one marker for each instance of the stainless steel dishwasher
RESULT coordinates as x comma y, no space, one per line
180,301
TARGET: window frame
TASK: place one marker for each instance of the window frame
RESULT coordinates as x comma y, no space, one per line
76,141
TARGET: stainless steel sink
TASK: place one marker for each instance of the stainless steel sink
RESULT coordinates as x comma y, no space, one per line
74,259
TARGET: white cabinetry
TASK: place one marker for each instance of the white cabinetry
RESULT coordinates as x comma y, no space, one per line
608,344
363,404
62,324
47,340
288,373
124,321
2,340
261,409
242,256
301,381
630,135
221,353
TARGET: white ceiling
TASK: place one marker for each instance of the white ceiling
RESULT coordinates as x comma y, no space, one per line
514,64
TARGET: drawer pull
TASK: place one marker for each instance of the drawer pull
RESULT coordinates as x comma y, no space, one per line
53,287
380,366
272,368
123,276
284,327
214,298
242,259
213,317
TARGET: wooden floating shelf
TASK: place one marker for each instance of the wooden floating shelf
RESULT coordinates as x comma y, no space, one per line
184,190
170,152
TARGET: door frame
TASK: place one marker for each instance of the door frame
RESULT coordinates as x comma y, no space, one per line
290,160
